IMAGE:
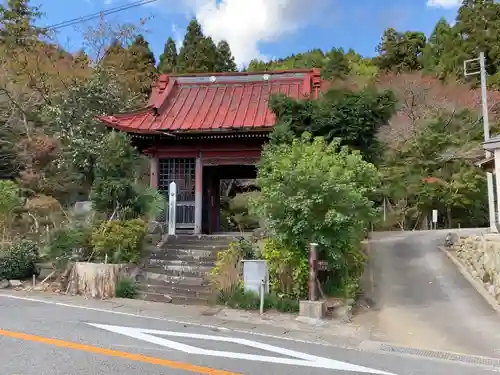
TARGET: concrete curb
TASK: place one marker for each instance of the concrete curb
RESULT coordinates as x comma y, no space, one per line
475,283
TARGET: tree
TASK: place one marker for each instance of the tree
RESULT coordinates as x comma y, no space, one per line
225,60
353,117
435,169
114,190
168,59
140,66
400,51
198,53
315,191
17,21
337,64
72,116
434,58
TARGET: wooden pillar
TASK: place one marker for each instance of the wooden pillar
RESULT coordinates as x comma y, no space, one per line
154,169
198,195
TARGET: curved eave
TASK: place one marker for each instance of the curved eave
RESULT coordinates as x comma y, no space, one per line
124,128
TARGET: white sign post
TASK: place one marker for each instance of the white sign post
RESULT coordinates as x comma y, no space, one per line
172,205
434,218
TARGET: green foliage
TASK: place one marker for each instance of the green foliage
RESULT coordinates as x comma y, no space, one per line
73,117
239,211
127,288
354,117
227,271
313,191
400,51
435,170
238,298
68,243
334,64
114,189
225,60
288,268
168,59
435,51
18,18
10,200
120,240
141,64
198,54
18,260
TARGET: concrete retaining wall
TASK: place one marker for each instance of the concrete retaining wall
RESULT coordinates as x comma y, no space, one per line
481,257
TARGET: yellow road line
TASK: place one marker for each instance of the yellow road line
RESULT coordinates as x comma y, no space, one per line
115,353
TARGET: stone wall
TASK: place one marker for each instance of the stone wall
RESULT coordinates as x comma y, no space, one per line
481,257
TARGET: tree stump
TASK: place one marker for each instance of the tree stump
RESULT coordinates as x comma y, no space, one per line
96,280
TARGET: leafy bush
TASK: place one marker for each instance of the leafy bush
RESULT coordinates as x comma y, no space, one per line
114,189
67,243
226,272
239,211
312,191
120,240
18,260
238,298
10,201
126,288
288,269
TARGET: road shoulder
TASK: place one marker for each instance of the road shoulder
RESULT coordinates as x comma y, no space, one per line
282,326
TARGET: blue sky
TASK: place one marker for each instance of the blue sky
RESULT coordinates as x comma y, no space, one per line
262,28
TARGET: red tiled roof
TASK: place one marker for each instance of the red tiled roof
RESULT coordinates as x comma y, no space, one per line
209,102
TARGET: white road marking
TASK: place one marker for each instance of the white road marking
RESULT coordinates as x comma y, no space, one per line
223,329
301,359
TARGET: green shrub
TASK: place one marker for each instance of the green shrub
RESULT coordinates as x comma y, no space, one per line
238,298
239,211
18,260
126,288
288,268
120,240
64,243
316,191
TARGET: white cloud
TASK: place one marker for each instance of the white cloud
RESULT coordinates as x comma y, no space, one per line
246,23
446,4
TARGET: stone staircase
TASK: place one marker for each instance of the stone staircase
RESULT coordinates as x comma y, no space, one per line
177,271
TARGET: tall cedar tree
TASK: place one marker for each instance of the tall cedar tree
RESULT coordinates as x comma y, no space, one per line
198,53
140,66
400,51
436,47
114,56
225,59
168,59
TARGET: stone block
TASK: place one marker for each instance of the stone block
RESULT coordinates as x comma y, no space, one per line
312,309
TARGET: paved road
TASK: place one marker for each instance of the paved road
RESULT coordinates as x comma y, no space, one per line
422,300
46,337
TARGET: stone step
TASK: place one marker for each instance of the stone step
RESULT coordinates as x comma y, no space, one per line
155,277
186,255
196,246
175,299
190,291
192,263
194,241
179,270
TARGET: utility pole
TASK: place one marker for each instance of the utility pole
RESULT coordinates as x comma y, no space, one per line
486,126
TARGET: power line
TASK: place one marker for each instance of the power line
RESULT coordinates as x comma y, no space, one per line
92,16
